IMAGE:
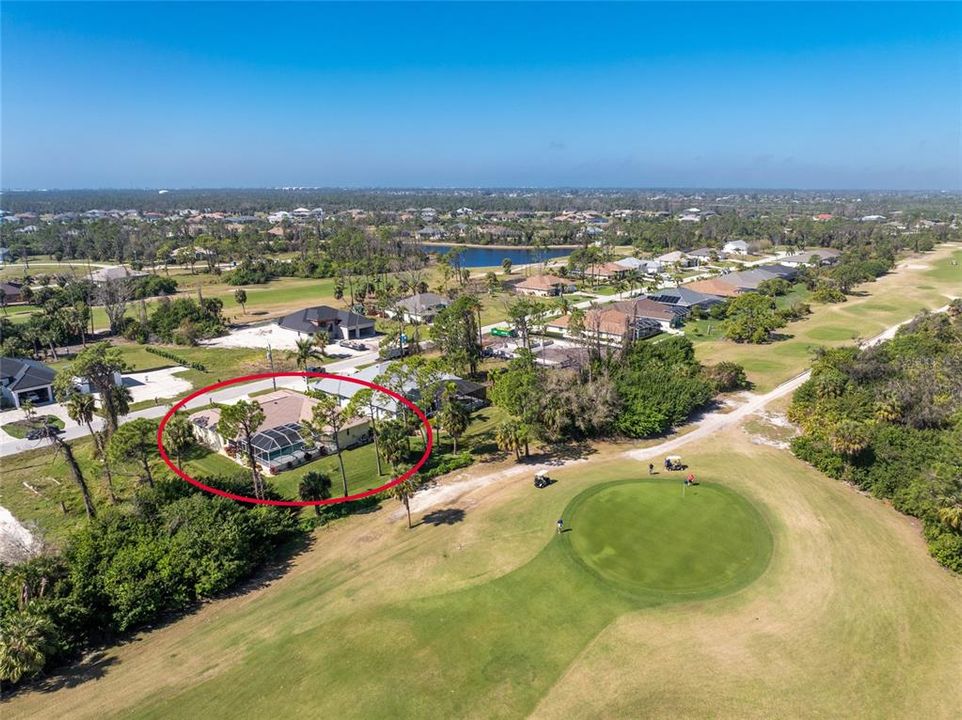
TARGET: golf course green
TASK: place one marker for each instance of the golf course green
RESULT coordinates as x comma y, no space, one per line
658,537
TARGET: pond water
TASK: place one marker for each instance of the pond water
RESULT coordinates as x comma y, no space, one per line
487,257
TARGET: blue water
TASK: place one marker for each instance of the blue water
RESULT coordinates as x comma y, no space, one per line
486,257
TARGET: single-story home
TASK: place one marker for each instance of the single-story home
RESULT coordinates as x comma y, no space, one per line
736,247
101,276
419,308
676,257
22,380
667,316
279,443
545,286
633,263
12,292
743,281
608,271
685,297
703,255
339,324
608,325
393,375
720,286
825,256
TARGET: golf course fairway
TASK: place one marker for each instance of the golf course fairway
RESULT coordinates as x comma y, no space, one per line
660,538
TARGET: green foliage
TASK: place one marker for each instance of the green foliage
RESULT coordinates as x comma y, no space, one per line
889,420
752,318
147,286
176,358
184,321
128,568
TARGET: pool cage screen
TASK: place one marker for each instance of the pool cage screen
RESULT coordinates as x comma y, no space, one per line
282,440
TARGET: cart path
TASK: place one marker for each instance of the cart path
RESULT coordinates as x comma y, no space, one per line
708,424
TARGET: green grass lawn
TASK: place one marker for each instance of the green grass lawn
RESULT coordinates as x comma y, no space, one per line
484,611
20,428
662,538
887,301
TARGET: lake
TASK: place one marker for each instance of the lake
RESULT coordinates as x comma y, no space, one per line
486,257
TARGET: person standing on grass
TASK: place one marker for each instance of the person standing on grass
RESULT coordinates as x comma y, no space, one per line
561,525
651,468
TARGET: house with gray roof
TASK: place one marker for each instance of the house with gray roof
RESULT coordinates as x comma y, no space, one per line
339,324
420,308
22,380
683,297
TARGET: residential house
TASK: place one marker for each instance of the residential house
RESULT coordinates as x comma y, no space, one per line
279,443
608,271
607,325
420,308
22,380
736,247
667,316
675,257
545,286
703,255
721,286
395,376
101,276
12,292
431,232
684,297
339,324
825,256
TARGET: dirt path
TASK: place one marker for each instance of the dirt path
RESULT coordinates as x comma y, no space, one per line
706,426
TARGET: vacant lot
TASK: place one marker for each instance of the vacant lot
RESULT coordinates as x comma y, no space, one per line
482,611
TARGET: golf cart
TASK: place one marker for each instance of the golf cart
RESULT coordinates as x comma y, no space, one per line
673,462
541,480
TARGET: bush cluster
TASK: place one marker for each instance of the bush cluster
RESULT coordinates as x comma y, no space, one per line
176,358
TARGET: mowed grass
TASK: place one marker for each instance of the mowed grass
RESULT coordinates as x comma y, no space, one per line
492,616
656,538
926,281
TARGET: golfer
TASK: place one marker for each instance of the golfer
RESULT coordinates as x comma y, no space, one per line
561,525
651,468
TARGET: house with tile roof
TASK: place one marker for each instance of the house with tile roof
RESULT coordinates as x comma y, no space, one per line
22,380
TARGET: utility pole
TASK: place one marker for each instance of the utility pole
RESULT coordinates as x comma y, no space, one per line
270,359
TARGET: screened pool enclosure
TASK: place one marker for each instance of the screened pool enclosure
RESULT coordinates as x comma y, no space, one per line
278,442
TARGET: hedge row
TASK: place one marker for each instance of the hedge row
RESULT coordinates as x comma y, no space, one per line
177,359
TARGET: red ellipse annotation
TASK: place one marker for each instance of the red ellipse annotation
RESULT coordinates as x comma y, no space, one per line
296,503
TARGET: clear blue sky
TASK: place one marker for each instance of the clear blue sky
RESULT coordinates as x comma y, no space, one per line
681,95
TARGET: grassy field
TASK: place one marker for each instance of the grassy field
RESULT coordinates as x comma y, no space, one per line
925,282
483,611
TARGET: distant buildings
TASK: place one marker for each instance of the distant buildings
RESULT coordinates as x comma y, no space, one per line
736,247
102,276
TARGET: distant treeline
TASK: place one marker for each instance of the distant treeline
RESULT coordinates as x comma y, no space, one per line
243,201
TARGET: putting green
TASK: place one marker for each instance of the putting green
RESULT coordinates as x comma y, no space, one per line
658,538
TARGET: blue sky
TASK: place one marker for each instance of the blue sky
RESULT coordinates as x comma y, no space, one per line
644,95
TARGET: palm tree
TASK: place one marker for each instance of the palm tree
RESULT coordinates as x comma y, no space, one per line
511,436
402,492
304,353
453,416
328,418
314,486
321,339
849,438
81,408
24,644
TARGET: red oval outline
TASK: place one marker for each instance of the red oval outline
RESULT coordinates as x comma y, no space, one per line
295,503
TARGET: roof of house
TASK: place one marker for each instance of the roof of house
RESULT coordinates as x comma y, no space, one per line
11,288
715,286
609,268
22,374
116,272
700,252
607,320
542,282
281,408
737,243
632,263
684,297
805,255
646,308
423,301
309,320
670,257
